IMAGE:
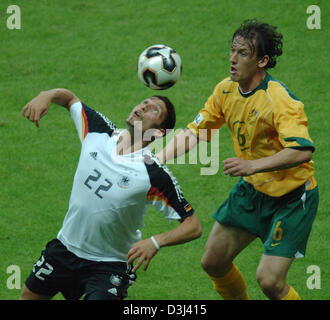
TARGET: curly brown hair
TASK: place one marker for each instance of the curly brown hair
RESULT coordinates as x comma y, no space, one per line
267,40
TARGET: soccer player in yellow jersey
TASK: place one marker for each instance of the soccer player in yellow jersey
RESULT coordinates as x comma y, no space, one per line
276,198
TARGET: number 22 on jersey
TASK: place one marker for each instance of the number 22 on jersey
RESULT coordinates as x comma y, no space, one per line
94,178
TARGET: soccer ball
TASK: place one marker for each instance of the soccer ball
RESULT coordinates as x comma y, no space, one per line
159,67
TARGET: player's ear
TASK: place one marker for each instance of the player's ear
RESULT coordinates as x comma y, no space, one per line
159,133
262,63
152,134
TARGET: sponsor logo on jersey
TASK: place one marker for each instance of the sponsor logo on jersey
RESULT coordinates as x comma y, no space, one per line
93,155
275,244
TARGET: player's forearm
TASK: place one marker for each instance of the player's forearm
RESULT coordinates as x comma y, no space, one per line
62,97
39,106
188,230
144,250
179,145
285,159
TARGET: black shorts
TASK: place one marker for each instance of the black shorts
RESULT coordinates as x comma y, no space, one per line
59,270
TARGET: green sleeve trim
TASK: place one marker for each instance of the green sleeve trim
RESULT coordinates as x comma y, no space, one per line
303,143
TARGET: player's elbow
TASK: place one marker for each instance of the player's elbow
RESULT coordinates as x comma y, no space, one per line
199,231
306,156
196,228
299,156
193,227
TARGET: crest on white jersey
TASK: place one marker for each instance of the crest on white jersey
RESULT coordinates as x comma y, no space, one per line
124,181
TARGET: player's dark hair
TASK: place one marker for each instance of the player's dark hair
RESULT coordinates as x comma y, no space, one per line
169,122
268,40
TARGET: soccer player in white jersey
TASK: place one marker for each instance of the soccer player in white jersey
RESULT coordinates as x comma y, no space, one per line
117,179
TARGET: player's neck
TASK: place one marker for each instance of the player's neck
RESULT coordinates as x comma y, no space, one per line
251,84
129,143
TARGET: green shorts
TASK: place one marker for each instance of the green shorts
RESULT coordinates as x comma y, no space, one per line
283,224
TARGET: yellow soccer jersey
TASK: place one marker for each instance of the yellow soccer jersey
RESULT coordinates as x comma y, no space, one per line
262,122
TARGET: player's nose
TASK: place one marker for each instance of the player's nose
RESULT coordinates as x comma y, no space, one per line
145,107
233,58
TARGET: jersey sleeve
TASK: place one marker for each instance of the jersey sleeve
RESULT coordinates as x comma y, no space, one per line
208,118
88,120
165,194
291,124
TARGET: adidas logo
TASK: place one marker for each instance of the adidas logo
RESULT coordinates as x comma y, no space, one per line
93,155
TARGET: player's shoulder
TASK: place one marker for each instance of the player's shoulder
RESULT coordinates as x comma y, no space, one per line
165,186
225,86
155,168
97,122
279,91
159,173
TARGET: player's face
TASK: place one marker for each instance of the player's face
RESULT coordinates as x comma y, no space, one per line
151,112
243,62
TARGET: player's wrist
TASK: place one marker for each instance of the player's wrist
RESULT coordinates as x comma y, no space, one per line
254,166
155,242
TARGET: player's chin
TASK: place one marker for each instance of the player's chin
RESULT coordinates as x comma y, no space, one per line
233,78
131,120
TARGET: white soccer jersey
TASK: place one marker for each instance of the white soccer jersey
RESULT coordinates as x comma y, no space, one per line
111,193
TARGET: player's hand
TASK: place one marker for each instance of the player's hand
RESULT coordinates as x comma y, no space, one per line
36,108
236,167
144,250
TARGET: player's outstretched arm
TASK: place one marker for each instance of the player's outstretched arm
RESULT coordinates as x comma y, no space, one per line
39,106
181,143
189,229
285,159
